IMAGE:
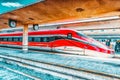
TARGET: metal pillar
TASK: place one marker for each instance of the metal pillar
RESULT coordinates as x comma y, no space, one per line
25,38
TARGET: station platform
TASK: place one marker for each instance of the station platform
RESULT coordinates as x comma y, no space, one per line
103,65
64,59
117,54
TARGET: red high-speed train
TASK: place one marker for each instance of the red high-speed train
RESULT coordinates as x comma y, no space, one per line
60,40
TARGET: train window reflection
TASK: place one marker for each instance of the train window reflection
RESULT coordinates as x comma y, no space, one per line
44,39
51,38
58,37
30,39
37,39
5,39
20,39
9,39
15,39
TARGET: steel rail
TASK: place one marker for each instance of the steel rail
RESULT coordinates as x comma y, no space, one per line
22,73
65,70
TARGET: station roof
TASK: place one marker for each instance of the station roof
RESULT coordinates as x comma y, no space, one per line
50,11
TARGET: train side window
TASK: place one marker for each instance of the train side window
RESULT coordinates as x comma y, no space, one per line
9,39
0,39
13,39
69,35
5,39
30,39
47,39
41,39
58,37
51,38
20,39
33,39
44,39
37,39
16,39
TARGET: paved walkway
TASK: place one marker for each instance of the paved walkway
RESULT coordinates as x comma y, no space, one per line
77,61
117,55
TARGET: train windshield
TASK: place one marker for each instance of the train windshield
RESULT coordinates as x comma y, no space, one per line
99,44
92,41
81,34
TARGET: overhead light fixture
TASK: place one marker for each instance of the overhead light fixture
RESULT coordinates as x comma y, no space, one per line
30,18
79,9
84,20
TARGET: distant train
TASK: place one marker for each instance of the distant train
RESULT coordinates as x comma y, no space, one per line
60,40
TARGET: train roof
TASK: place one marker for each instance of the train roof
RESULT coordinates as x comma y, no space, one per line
40,32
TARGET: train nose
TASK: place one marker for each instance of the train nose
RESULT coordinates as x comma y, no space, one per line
112,53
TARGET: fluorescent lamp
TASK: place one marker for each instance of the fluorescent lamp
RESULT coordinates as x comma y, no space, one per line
83,20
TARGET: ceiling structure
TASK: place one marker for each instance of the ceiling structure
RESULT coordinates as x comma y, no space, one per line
52,11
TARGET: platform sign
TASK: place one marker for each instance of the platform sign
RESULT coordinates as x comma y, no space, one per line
10,5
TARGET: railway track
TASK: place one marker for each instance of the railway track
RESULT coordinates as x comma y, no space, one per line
62,71
36,66
24,74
